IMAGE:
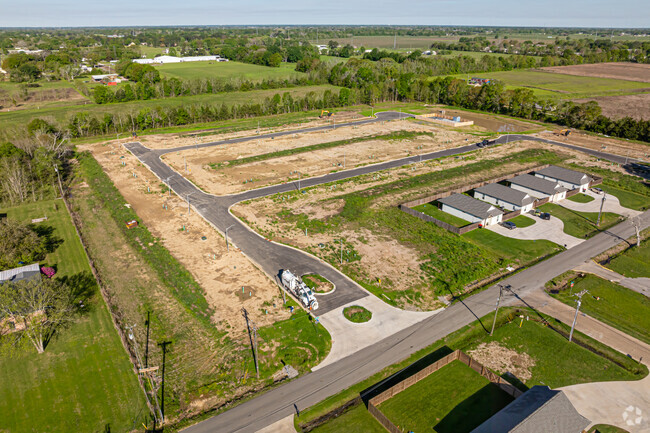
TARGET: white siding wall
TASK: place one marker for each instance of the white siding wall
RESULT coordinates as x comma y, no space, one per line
567,185
527,208
530,192
493,220
460,214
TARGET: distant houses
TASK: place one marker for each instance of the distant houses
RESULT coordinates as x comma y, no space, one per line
569,179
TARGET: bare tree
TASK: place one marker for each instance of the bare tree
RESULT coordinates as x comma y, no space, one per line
36,308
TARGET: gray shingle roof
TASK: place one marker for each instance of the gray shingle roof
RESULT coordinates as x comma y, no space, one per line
506,194
559,173
537,184
22,273
470,205
540,409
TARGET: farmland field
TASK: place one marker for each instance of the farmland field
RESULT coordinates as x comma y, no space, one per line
227,70
18,118
616,70
636,106
83,371
563,86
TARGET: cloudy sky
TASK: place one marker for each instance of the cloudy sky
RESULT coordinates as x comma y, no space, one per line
551,13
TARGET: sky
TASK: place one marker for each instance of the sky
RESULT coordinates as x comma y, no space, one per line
516,13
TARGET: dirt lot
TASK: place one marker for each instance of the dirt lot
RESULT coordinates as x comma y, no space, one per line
492,123
221,273
606,144
501,359
228,180
620,70
165,141
616,107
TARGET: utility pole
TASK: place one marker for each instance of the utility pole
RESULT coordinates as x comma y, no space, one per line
496,311
164,345
252,335
169,185
602,203
575,318
299,177
341,240
635,223
227,244
146,348
59,177
189,210
185,159
344,159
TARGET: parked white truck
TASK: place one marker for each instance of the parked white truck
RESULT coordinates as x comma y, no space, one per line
296,286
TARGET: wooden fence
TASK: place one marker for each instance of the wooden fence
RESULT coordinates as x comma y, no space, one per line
425,372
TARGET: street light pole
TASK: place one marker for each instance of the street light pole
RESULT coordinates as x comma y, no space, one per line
341,240
59,177
575,318
602,203
227,244
189,209
496,311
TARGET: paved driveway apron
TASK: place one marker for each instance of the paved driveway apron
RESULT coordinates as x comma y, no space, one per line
552,230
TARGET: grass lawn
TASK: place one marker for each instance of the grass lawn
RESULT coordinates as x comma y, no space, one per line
618,306
453,399
303,343
522,221
357,314
227,70
84,381
356,420
581,224
628,199
633,263
606,428
523,251
60,114
561,86
581,198
432,210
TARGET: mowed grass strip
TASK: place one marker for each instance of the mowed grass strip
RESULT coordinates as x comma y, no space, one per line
613,304
581,198
522,221
227,70
453,399
84,381
523,251
581,224
355,420
628,199
432,210
634,262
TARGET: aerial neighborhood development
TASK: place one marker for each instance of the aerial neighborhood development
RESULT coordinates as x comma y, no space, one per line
276,223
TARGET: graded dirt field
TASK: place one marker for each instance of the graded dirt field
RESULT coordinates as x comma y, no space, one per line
617,70
491,122
228,180
221,273
598,142
616,107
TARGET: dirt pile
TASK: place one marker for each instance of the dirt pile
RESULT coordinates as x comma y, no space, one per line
501,359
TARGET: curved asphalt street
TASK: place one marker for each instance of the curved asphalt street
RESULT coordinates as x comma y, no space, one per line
308,390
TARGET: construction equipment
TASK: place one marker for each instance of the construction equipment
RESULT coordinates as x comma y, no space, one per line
300,290
564,132
324,114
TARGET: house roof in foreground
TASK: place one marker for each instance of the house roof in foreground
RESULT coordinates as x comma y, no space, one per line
537,184
471,206
507,194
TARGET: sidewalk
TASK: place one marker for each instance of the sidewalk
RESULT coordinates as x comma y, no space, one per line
641,285
597,330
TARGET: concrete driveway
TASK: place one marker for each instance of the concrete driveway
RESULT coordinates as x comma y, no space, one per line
611,205
552,230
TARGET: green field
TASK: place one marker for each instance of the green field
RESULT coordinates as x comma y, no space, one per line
581,224
84,381
628,199
523,251
61,114
610,303
356,420
561,86
454,399
633,263
581,198
227,70
432,210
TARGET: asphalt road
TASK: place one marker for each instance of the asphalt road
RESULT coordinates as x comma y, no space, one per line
316,386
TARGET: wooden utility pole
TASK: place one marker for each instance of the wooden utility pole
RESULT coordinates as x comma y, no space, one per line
602,203
146,348
252,336
164,345
496,311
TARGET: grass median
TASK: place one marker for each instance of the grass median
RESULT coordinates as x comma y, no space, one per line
581,225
